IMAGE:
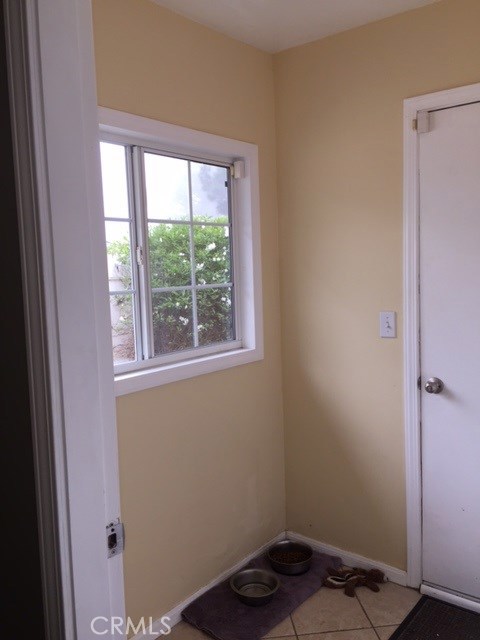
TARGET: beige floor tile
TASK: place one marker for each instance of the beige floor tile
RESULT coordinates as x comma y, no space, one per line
386,632
358,634
282,630
329,610
185,631
390,605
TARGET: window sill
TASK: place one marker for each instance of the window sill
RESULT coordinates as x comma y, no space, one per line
140,380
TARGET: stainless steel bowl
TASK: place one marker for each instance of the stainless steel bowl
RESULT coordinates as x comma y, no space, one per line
288,548
254,587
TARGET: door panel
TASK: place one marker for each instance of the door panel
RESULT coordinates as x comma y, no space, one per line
450,347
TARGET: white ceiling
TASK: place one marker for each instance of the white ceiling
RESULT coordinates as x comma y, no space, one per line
274,25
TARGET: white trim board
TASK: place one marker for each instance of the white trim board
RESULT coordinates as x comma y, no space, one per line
412,106
352,559
175,614
450,597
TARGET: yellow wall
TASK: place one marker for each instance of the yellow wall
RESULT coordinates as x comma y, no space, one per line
339,137
201,461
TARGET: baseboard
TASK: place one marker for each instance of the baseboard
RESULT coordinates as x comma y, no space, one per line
451,598
175,614
352,559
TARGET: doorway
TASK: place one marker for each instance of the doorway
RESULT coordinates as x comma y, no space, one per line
19,505
442,342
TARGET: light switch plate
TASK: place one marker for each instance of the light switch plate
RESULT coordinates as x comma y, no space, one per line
388,324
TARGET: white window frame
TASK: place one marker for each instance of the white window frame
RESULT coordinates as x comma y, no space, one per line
248,346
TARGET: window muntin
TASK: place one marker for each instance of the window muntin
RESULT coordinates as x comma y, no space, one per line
177,297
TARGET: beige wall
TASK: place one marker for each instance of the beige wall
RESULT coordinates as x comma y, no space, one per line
201,461
339,136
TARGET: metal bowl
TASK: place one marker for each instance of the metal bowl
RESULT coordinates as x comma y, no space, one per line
288,548
254,587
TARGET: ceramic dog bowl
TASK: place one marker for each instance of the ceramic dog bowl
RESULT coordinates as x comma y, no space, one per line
290,558
254,587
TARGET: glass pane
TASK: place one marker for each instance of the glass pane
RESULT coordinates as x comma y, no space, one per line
119,255
114,180
123,330
169,253
212,254
167,187
172,321
215,316
209,192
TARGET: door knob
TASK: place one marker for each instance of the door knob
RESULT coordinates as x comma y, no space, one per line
434,385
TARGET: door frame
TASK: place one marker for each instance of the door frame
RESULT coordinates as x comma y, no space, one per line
62,237
411,309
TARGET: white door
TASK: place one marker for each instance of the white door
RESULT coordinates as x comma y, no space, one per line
449,164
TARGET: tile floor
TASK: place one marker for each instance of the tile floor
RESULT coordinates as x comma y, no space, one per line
330,615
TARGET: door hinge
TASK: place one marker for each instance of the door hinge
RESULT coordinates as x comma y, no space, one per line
421,124
139,252
115,538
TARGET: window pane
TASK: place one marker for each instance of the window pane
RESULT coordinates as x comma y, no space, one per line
169,254
167,187
114,179
172,321
209,192
123,330
119,255
215,316
212,254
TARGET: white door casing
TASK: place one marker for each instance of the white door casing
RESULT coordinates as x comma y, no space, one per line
50,49
412,140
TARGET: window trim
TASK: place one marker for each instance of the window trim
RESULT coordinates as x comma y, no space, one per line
118,126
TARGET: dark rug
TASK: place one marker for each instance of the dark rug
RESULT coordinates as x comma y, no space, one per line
219,613
432,619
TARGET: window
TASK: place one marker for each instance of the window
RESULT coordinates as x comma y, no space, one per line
181,226
168,231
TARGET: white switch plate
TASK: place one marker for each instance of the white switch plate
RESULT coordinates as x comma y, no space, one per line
388,324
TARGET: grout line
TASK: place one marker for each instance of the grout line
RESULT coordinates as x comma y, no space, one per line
364,611
293,625
324,633
368,618
392,624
